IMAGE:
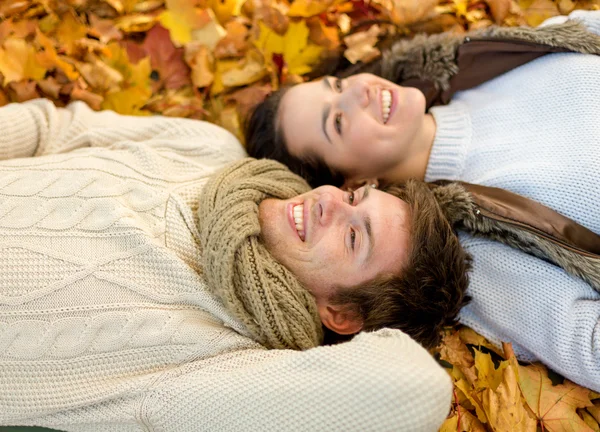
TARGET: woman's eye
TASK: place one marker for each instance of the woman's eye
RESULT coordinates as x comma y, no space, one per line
352,238
337,84
338,123
351,197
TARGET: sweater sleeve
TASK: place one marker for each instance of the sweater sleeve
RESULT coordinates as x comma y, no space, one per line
547,314
37,128
380,381
591,19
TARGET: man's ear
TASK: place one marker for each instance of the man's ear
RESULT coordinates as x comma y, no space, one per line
353,184
342,319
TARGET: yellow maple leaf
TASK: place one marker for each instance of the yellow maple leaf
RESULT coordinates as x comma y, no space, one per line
504,407
308,8
49,59
19,61
297,52
128,101
268,41
134,74
487,375
68,30
180,18
554,406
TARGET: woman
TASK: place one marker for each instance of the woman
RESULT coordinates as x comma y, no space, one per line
533,130
334,129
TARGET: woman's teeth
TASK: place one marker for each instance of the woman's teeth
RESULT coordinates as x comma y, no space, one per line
299,220
386,103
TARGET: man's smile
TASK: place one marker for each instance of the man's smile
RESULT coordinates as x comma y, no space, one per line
297,218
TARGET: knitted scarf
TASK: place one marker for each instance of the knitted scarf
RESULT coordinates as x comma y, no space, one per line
259,291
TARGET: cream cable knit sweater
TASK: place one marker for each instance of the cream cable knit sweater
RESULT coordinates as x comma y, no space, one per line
105,322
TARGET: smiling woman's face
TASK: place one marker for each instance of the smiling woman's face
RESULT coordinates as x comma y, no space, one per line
360,126
329,238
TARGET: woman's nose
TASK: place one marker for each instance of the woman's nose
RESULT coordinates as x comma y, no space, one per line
356,95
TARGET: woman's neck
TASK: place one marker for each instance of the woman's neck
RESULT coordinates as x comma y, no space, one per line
414,165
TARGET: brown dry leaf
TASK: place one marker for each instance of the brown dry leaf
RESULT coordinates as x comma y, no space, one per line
406,12
104,29
499,9
92,99
234,44
23,91
455,352
322,35
178,103
250,70
249,97
361,45
201,60
50,87
211,32
554,406
99,75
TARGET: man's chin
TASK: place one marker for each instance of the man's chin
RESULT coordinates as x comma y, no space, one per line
269,215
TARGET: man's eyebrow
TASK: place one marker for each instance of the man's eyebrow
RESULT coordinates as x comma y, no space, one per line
368,226
326,110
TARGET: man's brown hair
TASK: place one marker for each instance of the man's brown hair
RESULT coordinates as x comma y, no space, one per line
430,290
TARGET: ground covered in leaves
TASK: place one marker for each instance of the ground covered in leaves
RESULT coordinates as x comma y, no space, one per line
214,59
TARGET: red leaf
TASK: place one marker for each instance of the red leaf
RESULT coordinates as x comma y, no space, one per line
169,70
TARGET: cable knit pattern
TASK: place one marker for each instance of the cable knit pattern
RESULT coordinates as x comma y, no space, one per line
106,323
535,132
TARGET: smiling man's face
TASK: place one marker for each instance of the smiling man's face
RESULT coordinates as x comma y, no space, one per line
330,238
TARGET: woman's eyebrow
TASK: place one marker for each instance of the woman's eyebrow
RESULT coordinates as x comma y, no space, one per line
326,110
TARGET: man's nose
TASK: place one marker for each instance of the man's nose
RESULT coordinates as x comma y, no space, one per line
332,209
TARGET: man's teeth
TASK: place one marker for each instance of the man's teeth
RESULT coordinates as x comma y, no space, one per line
386,103
299,219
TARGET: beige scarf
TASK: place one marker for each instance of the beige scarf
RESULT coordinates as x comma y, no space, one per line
263,294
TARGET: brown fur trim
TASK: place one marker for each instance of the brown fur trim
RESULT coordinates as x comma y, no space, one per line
433,58
461,212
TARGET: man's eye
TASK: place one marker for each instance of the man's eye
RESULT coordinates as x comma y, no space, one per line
352,238
337,85
351,197
338,123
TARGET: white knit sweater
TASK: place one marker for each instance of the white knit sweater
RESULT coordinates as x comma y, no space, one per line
105,322
534,131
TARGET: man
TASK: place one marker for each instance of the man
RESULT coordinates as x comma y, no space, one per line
134,295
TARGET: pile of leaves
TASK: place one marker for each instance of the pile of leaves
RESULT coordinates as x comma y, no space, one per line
493,392
215,59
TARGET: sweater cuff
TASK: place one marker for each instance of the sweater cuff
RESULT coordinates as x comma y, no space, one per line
452,139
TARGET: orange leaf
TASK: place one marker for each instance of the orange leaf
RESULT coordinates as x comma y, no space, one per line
169,69
554,406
